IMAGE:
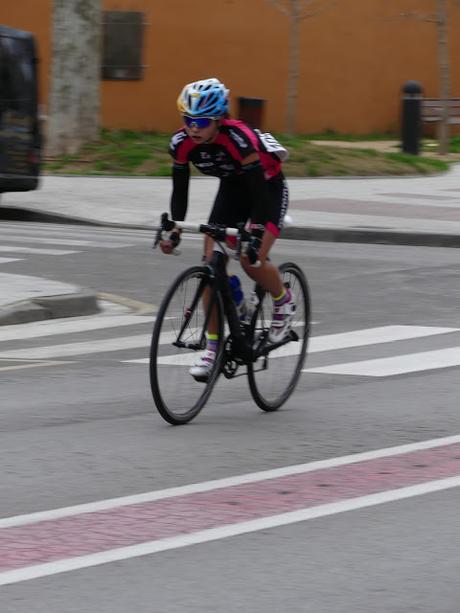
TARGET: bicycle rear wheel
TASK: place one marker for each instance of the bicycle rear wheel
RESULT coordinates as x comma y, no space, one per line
177,340
273,377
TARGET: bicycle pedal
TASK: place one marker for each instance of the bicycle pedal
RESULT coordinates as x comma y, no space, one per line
201,379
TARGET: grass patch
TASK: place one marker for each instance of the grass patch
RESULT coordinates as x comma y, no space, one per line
454,146
129,153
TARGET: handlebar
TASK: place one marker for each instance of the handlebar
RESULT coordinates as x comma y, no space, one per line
217,232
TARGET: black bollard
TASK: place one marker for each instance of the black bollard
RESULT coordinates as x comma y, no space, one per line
411,125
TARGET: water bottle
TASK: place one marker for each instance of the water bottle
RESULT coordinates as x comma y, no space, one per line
251,305
238,296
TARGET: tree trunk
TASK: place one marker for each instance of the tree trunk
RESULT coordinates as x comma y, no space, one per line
74,105
444,74
293,66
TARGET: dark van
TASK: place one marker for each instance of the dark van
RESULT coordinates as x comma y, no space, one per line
20,138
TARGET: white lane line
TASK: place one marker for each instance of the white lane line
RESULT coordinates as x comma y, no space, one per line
329,342
5,260
71,325
207,486
78,348
213,534
37,251
226,531
68,241
397,365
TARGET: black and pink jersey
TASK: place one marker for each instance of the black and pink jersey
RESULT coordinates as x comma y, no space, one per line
235,141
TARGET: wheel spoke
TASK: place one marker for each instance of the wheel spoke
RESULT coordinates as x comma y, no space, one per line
180,326
272,378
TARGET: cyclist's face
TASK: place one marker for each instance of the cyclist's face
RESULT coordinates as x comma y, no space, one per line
202,135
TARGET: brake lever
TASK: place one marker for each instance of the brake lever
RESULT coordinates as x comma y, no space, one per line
166,225
158,238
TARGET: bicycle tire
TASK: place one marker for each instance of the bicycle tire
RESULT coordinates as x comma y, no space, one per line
270,389
177,396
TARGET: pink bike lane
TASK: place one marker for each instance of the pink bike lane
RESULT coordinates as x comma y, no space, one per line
38,543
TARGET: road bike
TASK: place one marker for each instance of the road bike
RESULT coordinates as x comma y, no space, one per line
179,334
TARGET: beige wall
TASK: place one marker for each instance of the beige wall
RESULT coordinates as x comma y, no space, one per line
354,59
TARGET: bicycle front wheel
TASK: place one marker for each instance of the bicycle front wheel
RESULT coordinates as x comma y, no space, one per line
273,377
178,339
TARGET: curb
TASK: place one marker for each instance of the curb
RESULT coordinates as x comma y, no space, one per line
12,213
372,236
49,307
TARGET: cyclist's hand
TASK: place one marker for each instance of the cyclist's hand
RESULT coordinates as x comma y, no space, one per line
252,251
168,246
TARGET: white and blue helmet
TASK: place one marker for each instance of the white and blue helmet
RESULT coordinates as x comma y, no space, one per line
206,98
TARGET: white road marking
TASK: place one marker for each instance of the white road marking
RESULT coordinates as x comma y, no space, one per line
15,249
329,342
373,336
70,325
5,260
317,344
67,241
40,364
78,348
226,531
214,534
397,365
207,486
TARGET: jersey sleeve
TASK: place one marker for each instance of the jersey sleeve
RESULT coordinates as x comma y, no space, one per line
242,140
177,148
179,196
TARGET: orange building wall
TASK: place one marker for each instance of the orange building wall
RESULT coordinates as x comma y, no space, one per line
33,16
354,59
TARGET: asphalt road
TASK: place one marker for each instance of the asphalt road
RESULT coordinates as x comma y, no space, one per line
81,427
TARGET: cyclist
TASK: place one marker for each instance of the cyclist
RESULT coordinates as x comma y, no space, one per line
252,189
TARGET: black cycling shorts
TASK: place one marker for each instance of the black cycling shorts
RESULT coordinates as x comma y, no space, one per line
233,202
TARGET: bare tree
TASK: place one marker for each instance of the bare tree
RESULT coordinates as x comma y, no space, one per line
441,19
74,104
297,11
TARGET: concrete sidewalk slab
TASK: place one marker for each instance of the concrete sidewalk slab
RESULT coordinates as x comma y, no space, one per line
369,209
26,298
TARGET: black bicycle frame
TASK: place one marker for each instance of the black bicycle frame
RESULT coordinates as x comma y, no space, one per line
217,279
218,271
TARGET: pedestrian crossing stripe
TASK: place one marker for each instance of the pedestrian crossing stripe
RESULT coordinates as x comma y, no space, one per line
35,250
79,348
69,325
346,340
381,367
68,241
396,365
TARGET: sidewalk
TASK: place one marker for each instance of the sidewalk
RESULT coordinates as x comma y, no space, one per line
390,210
25,299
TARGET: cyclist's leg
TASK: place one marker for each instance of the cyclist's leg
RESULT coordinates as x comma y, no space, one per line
225,211
268,275
203,366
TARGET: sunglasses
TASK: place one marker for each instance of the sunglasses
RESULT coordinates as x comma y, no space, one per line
198,122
